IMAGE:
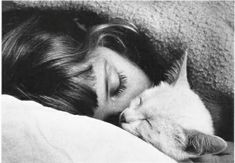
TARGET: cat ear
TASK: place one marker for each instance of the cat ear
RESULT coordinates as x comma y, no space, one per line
182,75
177,75
199,143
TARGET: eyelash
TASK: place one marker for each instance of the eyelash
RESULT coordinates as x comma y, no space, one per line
122,86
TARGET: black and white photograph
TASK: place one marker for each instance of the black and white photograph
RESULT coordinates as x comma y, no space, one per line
117,81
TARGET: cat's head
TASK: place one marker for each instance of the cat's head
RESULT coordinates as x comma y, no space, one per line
173,118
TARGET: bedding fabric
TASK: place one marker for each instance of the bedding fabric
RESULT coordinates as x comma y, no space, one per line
34,133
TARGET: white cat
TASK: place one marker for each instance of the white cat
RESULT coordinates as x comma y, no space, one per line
173,118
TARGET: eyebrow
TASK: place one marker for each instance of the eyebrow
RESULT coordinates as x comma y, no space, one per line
87,74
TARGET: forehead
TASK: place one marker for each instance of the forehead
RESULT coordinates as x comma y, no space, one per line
118,59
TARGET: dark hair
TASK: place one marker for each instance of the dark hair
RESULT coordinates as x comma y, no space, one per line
41,58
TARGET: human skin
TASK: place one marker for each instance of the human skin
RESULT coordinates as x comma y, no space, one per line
107,66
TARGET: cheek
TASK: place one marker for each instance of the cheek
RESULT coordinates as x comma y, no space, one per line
121,103
138,84
105,110
137,81
110,108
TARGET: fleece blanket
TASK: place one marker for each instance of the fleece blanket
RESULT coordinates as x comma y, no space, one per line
207,28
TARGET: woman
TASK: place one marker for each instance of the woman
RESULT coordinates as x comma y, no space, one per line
56,62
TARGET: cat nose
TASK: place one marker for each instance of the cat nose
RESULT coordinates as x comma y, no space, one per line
122,118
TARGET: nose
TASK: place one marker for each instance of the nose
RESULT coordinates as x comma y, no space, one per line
122,118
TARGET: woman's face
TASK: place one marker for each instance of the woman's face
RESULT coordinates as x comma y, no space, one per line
118,81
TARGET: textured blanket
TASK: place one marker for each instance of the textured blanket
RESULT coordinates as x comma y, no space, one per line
207,28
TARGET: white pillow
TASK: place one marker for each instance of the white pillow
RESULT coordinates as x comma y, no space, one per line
34,133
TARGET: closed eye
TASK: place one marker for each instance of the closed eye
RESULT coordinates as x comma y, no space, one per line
141,101
122,85
147,120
